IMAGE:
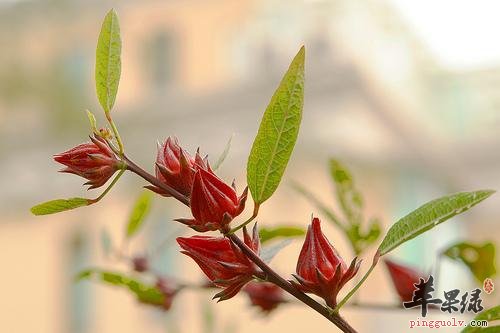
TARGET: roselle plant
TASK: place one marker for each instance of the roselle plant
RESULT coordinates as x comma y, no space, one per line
361,233
237,264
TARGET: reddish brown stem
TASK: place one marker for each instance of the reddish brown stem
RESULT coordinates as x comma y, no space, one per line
270,274
155,181
275,278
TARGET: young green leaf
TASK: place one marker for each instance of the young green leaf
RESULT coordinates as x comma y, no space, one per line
348,196
488,315
266,234
59,205
86,274
108,61
480,259
277,133
361,239
144,293
139,213
223,156
93,122
428,216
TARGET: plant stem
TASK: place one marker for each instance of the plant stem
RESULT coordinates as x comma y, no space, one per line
384,307
109,187
275,278
254,215
115,132
356,287
154,181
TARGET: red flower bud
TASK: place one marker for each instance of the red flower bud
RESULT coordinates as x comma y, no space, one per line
320,269
403,278
265,295
175,167
94,161
140,264
213,203
222,261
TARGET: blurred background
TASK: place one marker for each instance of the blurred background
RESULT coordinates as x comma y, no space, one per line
405,93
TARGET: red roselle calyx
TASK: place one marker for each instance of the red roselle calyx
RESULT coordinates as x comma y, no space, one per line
265,295
320,269
403,278
94,161
213,203
222,261
175,167
140,264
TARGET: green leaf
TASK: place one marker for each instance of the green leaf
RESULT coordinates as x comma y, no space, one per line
223,156
269,252
428,216
139,213
59,205
480,259
350,201
361,239
84,275
277,133
148,294
266,234
488,315
108,61
349,198
93,122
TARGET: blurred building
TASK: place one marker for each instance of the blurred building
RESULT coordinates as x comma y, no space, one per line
375,98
